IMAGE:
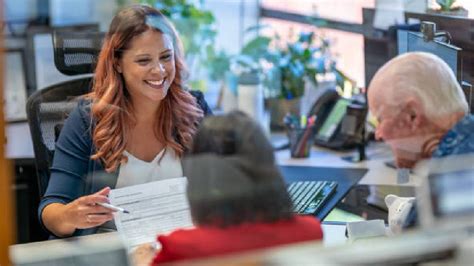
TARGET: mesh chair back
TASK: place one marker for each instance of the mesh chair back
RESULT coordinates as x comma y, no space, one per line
76,52
47,109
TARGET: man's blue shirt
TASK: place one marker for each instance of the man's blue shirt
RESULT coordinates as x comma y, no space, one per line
458,140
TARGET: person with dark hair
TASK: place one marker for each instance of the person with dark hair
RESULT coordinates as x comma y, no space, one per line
133,128
232,155
237,196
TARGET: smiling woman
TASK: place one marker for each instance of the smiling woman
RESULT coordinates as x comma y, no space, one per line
148,68
135,125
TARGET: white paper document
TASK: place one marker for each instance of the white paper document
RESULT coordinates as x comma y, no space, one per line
155,208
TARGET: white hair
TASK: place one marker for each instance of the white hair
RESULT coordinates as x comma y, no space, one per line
427,77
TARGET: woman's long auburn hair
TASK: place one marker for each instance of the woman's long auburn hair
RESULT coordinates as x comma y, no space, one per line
178,113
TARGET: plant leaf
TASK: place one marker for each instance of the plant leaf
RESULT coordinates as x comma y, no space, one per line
256,46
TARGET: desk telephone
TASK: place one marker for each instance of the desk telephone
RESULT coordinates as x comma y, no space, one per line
340,122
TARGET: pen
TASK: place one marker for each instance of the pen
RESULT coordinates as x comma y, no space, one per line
112,207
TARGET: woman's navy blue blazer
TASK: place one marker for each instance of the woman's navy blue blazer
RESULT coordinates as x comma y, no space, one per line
73,173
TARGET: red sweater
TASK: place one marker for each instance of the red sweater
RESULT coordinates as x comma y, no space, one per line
207,241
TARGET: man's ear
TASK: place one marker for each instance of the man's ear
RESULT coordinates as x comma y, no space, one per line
414,111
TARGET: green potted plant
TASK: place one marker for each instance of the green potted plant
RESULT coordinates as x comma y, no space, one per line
285,69
448,7
247,78
254,64
301,61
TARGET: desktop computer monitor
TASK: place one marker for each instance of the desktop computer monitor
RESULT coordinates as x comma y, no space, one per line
409,41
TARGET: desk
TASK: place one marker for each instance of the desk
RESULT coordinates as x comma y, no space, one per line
409,248
20,146
377,152
379,181
100,249
334,234
109,247
19,149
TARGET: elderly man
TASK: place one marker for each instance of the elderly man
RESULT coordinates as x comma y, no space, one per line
421,109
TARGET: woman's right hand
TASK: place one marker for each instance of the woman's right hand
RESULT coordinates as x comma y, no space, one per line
63,219
84,212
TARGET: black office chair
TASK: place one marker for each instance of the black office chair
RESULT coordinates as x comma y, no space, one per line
74,53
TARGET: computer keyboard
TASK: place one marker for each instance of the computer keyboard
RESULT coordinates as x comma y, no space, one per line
310,196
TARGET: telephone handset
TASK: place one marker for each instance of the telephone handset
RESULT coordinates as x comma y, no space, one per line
339,122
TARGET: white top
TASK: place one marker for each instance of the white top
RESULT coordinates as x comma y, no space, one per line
136,171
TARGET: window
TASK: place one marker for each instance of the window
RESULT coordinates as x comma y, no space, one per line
346,47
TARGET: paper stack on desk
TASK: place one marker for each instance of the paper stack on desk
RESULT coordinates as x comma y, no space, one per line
155,208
